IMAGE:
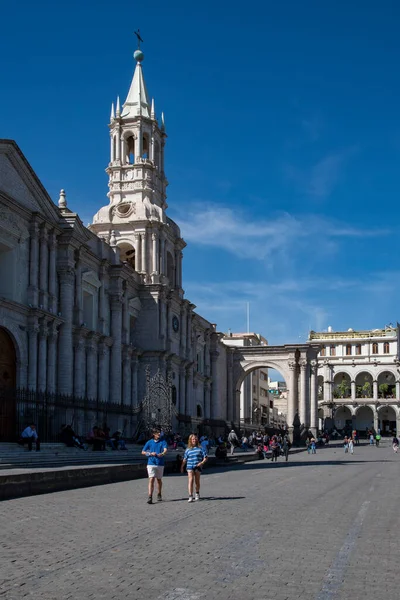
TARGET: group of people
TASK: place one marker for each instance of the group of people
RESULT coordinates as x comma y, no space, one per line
98,438
194,459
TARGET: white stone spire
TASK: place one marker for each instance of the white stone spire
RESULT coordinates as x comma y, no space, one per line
153,110
137,102
112,116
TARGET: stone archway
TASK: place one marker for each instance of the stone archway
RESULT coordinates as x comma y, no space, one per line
343,418
364,419
298,366
8,375
387,419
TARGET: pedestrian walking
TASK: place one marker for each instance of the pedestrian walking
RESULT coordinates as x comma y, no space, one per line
371,439
346,445
194,459
351,446
155,450
233,440
286,447
275,448
377,439
395,444
313,445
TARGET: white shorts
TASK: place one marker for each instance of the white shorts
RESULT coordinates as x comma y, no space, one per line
155,471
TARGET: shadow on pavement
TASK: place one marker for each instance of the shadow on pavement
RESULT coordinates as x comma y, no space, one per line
279,465
207,498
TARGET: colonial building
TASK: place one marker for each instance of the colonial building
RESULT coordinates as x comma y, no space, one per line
85,311
359,378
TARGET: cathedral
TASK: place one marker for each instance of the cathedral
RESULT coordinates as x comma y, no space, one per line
87,313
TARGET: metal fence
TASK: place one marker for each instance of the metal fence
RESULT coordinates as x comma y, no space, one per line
49,412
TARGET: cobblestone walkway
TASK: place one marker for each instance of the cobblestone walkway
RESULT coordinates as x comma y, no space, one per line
320,527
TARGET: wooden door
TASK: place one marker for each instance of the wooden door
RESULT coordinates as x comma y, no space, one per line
7,388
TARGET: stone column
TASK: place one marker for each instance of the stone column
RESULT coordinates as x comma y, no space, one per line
397,390
143,237
189,391
231,399
207,354
52,272
138,258
353,391
42,364
103,370
33,330
375,389
44,267
79,366
183,331
102,300
215,400
182,392
91,369
292,395
314,398
207,401
116,327
376,420
126,377
118,148
52,359
154,238
327,391
162,255
65,353
78,293
33,265
134,381
303,393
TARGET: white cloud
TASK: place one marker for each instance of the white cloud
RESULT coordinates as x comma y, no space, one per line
221,227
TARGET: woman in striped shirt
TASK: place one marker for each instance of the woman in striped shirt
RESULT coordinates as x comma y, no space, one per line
194,458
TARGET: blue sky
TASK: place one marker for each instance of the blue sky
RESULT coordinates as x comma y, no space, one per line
283,151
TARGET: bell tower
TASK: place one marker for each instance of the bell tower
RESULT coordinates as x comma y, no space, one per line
135,220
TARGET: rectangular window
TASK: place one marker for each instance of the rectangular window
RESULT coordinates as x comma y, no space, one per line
348,350
323,351
374,348
358,349
333,350
386,348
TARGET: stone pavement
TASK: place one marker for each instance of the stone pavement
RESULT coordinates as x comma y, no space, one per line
320,527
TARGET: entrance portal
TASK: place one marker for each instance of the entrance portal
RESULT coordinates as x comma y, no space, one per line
8,370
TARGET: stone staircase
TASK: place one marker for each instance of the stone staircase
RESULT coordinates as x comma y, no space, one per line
13,456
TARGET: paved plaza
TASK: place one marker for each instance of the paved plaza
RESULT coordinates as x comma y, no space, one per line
320,527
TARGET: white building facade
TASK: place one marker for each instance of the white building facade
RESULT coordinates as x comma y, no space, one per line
83,311
359,378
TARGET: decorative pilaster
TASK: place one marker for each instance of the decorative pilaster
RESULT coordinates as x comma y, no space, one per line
126,377
52,272
183,331
189,391
207,401
143,237
78,291
79,366
33,264
134,380
42,358
103,371
91,369
154,239
215,408
138,258
33,331
52,358
65,354
233,412
102,300
162,255
44,267
182,391
116,327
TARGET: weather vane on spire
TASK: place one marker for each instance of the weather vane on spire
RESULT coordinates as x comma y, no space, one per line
139,38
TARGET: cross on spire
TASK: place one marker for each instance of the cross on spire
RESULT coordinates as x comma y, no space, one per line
139,38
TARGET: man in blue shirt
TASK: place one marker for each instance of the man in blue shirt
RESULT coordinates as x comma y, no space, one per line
155,450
